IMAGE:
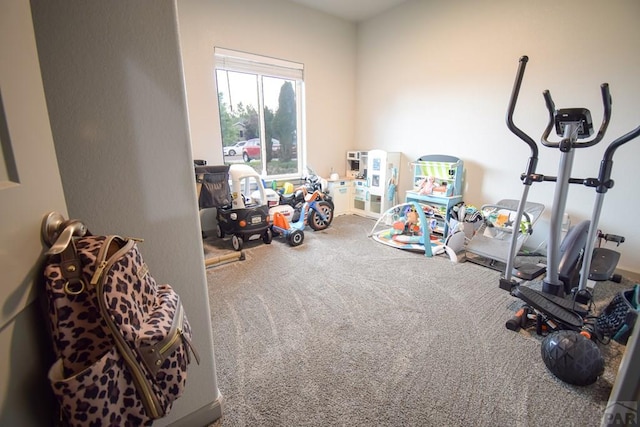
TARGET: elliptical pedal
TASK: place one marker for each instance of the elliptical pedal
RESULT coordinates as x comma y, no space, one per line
603,264
541,302
568,304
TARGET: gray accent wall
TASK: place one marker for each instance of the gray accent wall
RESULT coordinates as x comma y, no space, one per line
113,80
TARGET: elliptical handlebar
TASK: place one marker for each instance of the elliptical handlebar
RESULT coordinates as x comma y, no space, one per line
533,159
512,106
606,102
604,175
608,155
551,107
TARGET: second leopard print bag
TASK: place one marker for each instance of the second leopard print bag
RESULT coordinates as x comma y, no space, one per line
122,341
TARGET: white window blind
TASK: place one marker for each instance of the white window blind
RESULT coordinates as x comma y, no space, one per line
233,60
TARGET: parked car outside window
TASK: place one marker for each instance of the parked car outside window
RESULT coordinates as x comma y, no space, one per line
251,150
235,149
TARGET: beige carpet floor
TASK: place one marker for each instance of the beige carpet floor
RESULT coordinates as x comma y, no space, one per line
345,331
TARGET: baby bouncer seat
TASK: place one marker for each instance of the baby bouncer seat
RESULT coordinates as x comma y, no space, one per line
489,246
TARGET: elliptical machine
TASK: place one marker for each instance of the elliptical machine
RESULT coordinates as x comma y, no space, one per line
573,126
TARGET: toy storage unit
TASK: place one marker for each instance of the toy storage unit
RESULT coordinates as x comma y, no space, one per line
446,170
373,172
340,191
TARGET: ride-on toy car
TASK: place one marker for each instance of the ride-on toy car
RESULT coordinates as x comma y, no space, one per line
237,215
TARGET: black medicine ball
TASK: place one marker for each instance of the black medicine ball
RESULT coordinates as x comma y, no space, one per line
572,357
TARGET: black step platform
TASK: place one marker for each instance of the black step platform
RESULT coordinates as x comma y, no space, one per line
560,309
529,271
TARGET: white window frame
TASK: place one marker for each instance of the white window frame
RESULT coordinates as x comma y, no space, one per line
264,66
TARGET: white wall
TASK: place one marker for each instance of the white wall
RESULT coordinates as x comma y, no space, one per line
324,44
436,76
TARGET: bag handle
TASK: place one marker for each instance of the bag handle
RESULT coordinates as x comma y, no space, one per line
71,269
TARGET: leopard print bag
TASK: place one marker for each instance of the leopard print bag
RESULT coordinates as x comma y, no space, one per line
122,341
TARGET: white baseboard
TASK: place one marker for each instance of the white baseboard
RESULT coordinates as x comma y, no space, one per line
203,417
629,275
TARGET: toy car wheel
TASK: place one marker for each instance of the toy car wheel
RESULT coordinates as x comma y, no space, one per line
219,232
237,242
315,220
296,237
267,237
246,157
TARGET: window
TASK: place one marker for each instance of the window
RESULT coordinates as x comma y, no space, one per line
260,104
